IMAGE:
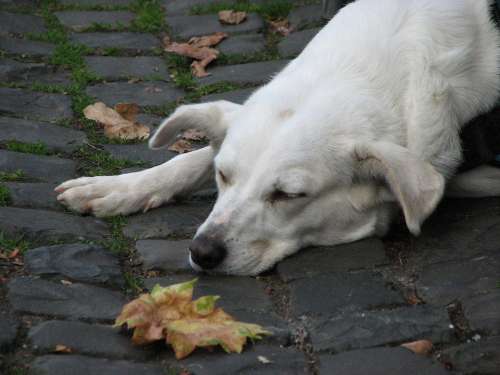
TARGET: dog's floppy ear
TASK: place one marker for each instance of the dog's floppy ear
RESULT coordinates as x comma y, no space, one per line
211,118
415,184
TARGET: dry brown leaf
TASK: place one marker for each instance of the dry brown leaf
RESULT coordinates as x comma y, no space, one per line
62,349
207,40
281,27
422,347
194,135
181,146
128,111
231,17
170,313
115,126
413,299
14,253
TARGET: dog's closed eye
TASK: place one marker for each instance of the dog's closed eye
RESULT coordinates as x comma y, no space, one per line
280,195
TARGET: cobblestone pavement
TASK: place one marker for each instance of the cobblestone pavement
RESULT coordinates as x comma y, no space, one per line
343,310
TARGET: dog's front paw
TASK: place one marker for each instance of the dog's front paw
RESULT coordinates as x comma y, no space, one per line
107,195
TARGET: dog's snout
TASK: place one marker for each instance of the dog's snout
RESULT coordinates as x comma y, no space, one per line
207,252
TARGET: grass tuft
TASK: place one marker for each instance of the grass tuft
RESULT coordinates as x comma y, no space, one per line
37,148
9,243
5,198
16,176
149,18
272,9
96,162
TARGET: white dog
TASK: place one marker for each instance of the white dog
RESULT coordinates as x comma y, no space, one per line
366,119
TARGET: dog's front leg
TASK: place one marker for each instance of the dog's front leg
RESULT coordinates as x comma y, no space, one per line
139,191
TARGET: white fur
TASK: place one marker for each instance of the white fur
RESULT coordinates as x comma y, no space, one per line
367,116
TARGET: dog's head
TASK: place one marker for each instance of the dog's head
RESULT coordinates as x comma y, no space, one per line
285,182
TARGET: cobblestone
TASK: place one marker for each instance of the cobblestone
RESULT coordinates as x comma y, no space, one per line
49,225
243,44
251,73
97,2
81,20
20,23
236,96
164,255
143,94
41,167
33,195
37,105
55,138
185,27
127,41
140,152
304,17
27,73
115,68
76,262
75,301
25,47
293,44
8,331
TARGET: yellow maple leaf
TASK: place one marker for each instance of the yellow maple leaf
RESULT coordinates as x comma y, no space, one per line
170,313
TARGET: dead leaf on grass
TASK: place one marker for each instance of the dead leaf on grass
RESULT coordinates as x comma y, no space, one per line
181,146
184,144
422,347
281,27
170,313
231,17
62,349
116,126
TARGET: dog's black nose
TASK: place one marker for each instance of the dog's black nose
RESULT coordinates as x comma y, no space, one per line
207,252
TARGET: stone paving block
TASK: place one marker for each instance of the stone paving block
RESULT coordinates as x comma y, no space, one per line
327,295
140,152
185,27
152,121
49,225
20,23
482,357
365,254
442,283
251,73
143,94
87,339
25,46
44,168
81,365
8,331
57,138
460,229
380,361
236,96
33,195
483,312
182,7
374,328
254,298
81,20
97,2
28,73
283,361
295,43
176,219
39,105
114,68
242,44
128,41
74,301
306,16
77,262
164,255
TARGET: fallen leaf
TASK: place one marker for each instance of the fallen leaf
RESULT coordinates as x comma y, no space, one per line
128,111
263,359
422,347
181,146
231,17
14,253
413,299
197,48
170,313
62,349
281,27
194,135
184,144
66,282
116,126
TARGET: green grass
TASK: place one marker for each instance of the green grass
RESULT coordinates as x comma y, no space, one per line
272,9
118,243
233,59
16,176
48,88
9,243
149,18
5,198
38,148
133,284
96,162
